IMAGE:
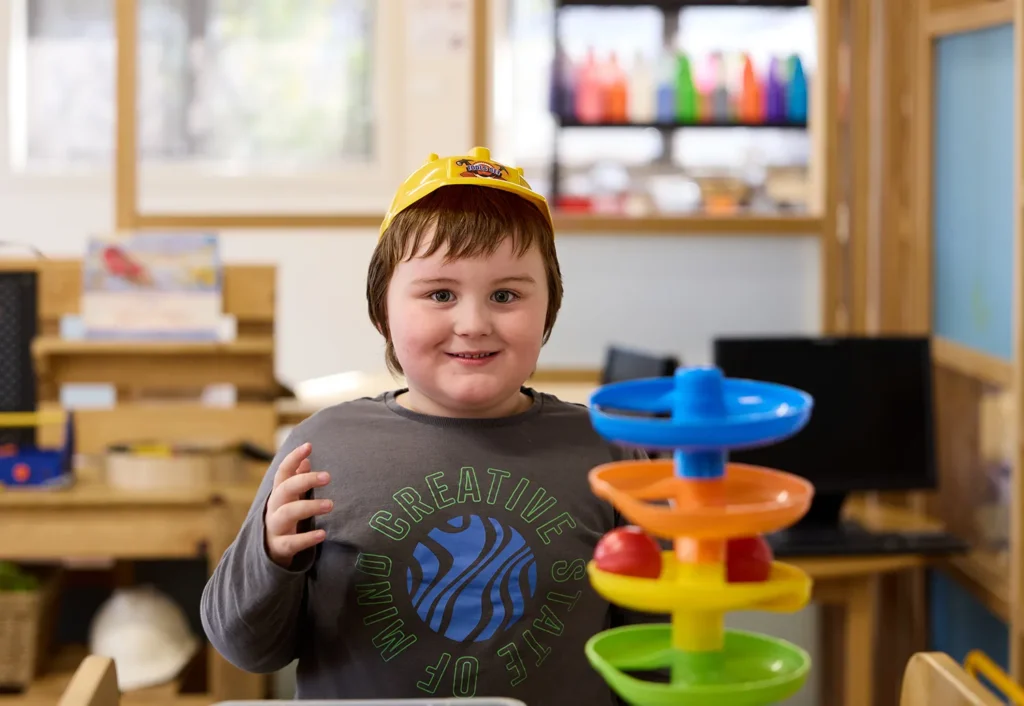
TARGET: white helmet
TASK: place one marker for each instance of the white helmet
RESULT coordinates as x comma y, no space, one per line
146,635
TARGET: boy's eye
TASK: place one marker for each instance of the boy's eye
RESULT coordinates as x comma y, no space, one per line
504,296
442,296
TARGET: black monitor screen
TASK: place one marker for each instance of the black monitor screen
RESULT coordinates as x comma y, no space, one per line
872,423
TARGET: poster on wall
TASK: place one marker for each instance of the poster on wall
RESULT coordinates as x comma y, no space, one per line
153,286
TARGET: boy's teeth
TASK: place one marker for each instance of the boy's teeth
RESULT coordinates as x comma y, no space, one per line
470,355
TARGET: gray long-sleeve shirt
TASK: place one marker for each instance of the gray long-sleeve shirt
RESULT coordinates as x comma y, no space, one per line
454,563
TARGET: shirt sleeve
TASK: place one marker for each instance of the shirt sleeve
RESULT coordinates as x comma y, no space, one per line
251,607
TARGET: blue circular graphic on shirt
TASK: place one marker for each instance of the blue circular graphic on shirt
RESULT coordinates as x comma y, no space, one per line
470,578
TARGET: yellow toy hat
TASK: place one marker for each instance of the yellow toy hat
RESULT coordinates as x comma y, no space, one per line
474,169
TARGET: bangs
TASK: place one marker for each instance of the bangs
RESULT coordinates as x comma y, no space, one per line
470,222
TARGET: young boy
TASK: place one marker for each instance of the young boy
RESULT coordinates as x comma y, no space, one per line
453,518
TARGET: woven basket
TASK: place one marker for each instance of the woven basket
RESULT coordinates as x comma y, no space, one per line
26,626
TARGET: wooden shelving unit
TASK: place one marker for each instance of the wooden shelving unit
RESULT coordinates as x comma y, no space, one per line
92,520
706,224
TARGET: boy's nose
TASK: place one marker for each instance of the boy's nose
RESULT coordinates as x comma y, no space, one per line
472,319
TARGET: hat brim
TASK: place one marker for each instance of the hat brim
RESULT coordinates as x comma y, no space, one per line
500,184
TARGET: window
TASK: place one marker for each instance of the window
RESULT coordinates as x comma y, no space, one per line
241,85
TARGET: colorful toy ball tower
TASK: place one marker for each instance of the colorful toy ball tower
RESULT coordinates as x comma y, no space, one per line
714,513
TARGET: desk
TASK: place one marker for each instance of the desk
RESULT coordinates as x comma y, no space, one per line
848,588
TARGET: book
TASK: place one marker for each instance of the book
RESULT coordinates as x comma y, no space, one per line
153,286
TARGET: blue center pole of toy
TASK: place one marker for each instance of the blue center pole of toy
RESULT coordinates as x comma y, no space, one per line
699,399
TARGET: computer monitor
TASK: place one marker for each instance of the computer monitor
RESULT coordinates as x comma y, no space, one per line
872,427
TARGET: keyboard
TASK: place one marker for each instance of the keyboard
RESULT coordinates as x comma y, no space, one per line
852,540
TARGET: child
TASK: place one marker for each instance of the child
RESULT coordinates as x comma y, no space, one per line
453,518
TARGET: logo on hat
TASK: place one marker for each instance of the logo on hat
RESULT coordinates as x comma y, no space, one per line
487,170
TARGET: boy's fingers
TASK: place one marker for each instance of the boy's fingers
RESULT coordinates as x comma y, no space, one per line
296,487
291,544
289,465
284,521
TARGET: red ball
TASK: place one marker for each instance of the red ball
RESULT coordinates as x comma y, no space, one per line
629,551
748,559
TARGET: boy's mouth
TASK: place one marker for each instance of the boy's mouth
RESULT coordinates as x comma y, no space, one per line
474,355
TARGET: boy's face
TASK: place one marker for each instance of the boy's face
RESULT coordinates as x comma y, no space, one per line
468,333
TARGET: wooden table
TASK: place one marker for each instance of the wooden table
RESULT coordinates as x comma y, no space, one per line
849,590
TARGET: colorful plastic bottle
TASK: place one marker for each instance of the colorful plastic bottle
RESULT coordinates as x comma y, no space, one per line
686,92
707,79
589,91
616,91
563,86
666,108
775,98
796,96
642,91
720,108
702,83
750,107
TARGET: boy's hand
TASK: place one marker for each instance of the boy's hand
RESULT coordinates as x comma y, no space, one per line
288,506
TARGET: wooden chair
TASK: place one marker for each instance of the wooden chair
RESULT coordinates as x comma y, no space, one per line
93,684
935,679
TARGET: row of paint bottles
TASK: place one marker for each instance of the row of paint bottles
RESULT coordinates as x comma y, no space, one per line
726,89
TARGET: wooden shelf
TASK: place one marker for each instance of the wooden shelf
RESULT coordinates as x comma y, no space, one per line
47,689
987,576
680,4
772,125
247,362
52,345
972,363
688,225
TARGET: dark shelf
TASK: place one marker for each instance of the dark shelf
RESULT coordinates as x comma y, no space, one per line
680,4
678,126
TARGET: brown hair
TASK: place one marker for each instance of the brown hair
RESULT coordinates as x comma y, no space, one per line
469,221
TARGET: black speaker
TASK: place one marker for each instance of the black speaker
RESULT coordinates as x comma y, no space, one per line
18,325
